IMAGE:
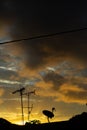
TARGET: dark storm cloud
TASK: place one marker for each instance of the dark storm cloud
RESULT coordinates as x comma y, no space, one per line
54,78
36,18
32,19
38,53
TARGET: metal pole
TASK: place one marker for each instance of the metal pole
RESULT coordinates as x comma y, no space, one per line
20,91
22,107
29,111
28,107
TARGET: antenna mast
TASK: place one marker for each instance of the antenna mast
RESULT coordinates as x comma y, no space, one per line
21,93
29,107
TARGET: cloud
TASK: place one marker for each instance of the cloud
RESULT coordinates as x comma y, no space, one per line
73,94
40,20
40,53
67,93
54,78
68,87
1,92
31,57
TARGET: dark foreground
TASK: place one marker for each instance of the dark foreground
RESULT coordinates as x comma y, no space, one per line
76,122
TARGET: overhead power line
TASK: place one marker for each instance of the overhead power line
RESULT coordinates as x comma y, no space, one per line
44,36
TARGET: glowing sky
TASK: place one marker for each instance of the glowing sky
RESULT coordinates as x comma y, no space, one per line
56,67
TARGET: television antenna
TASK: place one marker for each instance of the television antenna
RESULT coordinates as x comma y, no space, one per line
21,93
29,107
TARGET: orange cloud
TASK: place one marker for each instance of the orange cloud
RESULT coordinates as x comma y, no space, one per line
67,93
72,94
1,91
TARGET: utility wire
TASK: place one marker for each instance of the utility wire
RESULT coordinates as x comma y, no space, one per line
44,36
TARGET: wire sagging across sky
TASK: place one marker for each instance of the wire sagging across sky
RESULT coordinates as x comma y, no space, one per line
44,36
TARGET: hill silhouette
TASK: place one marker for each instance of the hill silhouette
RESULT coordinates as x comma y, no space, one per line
76,122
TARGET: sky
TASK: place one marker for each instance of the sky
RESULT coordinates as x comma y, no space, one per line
55,66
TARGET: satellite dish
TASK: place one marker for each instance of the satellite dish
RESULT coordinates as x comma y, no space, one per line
48,113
